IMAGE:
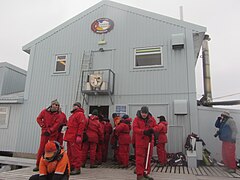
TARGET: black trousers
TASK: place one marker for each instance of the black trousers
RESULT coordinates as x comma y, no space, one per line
51,176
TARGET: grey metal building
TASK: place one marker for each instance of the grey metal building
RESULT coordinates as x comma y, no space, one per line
115,58
12,84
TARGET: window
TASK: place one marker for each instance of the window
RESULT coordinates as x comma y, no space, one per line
4,114
61,64
121,110
148,57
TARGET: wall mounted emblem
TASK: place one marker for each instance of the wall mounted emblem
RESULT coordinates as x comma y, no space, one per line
102,25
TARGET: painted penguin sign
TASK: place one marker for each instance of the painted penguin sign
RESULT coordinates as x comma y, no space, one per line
102,25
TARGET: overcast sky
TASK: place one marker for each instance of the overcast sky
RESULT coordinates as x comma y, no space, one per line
25,20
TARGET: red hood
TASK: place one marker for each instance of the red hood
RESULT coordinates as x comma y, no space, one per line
164,123
93,117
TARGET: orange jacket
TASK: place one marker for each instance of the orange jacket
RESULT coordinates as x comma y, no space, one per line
61,166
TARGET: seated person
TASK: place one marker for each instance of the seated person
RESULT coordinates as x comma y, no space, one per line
54,164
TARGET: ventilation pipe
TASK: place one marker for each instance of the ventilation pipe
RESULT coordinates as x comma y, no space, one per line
206,100
207,97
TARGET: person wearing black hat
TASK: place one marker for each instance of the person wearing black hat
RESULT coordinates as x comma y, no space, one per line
144,126
73,136
95,134
107,133
124,139
227,134
162,140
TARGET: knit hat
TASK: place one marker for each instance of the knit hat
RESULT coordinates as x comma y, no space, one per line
55,101
145,110
125,116
50,149
226,113
161,118
78,104
114,115
95,112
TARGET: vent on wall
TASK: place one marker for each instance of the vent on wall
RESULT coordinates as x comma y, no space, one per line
178,41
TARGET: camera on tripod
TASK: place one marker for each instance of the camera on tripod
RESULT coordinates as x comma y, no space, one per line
217,134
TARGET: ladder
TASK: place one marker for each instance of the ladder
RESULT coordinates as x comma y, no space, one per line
86,64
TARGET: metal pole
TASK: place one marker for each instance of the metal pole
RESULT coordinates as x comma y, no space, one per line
181,12
206,69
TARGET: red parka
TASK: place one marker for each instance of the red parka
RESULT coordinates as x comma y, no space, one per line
94,129
75,125
139,125
123,133
49,121
108,130
162,137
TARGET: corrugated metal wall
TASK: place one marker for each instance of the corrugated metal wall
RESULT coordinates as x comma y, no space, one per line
14,81
9,135
146,86
2,78
207,118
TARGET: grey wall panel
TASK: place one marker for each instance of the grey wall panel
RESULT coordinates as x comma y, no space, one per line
207,117
14,81
2,72
9,135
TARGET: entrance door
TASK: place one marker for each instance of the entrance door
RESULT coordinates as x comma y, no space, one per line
103,60
103,110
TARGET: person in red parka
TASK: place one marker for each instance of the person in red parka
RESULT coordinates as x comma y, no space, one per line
162,140
94,134
124,140
114,140
144,126
107,133
73,136
49,120
100,145
63,123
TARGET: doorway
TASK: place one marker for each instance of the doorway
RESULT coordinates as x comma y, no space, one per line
102,110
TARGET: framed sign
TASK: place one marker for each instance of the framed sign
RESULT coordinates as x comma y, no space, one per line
102,25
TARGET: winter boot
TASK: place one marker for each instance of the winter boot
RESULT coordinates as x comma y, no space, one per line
75,172
231,170
36,169
93,166
148,177
134,171
141,178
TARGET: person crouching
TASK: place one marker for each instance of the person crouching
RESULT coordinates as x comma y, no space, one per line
54,164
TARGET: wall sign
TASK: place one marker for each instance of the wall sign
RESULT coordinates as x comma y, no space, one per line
102,25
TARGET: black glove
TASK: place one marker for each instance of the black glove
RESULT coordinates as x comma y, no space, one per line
100,142
47,133
219,118
151,130
148,132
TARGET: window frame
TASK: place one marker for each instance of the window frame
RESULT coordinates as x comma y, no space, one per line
57,60
7,113
148,53
118,109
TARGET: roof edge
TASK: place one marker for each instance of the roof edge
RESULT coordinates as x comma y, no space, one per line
197,28
13,67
